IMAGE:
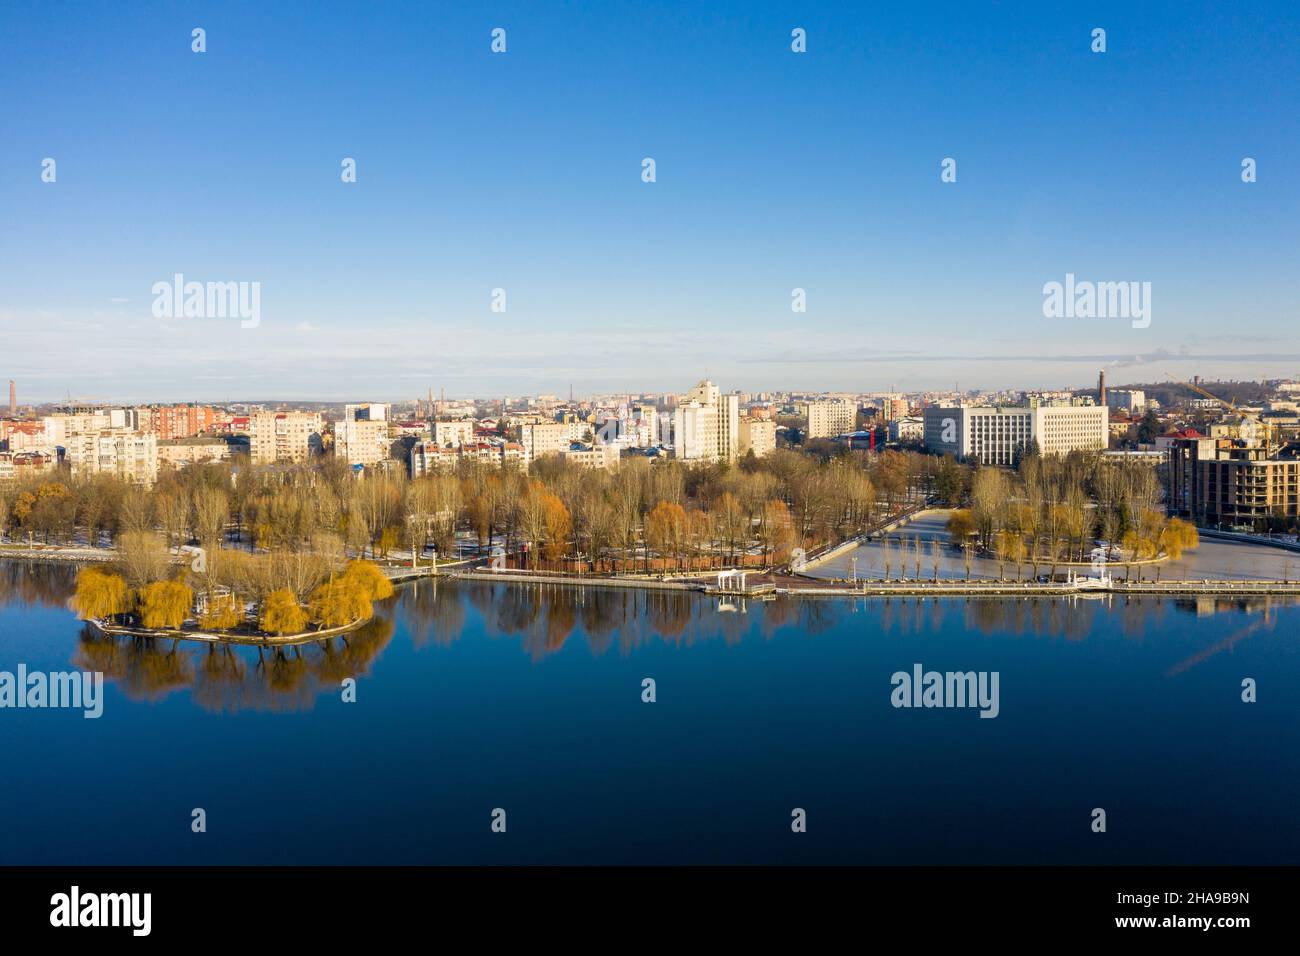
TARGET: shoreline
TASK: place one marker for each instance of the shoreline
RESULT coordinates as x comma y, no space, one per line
770,585
206,637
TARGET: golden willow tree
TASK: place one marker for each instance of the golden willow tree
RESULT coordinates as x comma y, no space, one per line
100,594
282,614
164,604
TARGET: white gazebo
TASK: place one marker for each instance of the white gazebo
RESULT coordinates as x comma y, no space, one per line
733,580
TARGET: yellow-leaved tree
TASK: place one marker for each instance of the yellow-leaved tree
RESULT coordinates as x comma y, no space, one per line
281,613
224,611
100,594
339,602
366,576
164,603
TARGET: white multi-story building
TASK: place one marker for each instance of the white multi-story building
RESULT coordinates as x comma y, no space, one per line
1126,399
997,435
177,452
706,426
908,428
643,426
17,465
366,412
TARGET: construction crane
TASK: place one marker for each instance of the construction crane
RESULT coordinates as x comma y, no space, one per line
1265,427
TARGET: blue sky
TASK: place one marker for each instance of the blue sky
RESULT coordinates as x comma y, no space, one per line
522,171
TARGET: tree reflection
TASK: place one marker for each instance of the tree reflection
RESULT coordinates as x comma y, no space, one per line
224,678
36,583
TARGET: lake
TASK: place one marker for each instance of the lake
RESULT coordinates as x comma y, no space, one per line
474,696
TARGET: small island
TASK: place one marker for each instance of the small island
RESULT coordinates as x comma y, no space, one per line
227,594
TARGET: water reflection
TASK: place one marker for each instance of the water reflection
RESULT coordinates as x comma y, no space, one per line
545,619
225,678
29,583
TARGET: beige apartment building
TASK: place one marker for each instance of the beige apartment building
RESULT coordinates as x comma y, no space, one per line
427,457
543,438
62,427
597,456
132,456
826,419
178,452
284,436
361,442
757,435
457,432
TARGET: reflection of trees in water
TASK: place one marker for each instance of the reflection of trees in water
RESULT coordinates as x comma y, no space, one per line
225,678
1049,617
602,613
543,617
816,617
431,617
33,582
147,668
516,609
667,613
778,614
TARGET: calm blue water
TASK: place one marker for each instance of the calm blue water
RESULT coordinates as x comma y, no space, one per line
475,696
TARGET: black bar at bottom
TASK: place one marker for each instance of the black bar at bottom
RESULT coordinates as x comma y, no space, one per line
366,904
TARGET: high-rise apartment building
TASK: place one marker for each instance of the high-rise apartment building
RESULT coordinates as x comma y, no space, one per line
130,455
1126,399
284,436
180,421
543,438
62,426
826,419
893,407
361,441
757,435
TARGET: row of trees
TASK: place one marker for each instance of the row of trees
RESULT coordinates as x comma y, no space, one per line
1052,510
669,512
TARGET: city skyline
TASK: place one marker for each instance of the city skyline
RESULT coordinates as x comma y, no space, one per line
776,172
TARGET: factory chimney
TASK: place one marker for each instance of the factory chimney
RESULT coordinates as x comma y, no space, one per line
1101,387
13,399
